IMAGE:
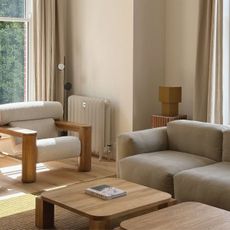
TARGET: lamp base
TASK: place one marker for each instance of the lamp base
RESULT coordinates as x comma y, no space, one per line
169,109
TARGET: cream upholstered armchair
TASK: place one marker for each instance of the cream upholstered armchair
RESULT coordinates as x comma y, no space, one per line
35,127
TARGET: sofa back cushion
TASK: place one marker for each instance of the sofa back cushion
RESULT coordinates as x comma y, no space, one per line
200,138
226,145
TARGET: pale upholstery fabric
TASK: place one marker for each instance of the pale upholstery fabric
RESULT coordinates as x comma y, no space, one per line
58,148
45,127
195,137
143,141
21,111
226,145
40,117
209,185
157,169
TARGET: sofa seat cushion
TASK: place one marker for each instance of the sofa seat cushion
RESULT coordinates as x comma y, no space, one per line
157,169
209,185
58,148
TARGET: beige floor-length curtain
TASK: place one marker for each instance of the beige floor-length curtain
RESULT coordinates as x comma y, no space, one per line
208,101
48,49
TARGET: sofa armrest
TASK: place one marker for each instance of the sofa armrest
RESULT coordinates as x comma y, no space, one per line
143,141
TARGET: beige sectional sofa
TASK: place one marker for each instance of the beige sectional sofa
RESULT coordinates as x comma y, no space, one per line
189,159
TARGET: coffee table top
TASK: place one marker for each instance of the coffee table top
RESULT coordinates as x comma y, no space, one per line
187,215
138,198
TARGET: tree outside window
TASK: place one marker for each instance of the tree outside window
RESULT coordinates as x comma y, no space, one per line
13,51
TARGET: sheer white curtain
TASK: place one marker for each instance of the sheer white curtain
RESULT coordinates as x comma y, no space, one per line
48,49
208,101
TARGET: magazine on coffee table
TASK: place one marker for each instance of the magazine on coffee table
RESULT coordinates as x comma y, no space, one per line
105,191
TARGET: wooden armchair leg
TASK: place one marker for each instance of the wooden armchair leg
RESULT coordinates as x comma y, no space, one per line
85,156
29,158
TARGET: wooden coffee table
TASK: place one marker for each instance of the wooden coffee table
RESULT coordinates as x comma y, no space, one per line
139,200
188,215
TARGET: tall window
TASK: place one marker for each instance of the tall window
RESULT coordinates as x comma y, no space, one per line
14,49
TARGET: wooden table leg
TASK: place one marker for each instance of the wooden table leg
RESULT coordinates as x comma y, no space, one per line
99,224
44,216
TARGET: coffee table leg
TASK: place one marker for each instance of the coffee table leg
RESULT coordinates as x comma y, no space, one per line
44,217
99,224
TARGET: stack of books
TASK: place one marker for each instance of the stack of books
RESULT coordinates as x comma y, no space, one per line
105,192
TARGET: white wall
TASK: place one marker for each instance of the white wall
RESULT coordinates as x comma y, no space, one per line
180,48
125,49
100,54
165,43
148,67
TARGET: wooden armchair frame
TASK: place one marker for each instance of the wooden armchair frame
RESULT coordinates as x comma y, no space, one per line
29,148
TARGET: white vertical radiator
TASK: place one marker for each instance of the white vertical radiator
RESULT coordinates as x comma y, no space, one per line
96,112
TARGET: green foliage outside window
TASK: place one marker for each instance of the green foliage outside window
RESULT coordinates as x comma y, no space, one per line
11,62
12,52
12,8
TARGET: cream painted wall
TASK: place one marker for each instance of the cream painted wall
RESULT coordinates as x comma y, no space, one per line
100,54
148,67
124,49
180,48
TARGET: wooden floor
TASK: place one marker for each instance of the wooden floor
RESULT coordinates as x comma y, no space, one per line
49,175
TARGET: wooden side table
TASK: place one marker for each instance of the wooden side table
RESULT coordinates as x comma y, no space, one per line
159,120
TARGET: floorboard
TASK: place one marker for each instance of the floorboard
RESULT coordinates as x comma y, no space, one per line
49,175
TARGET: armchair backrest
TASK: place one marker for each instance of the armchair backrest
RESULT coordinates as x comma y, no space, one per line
195,137
45,127
39,116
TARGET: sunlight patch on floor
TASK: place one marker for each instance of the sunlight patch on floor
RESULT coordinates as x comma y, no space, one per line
15,171
18,204
6,193
55,188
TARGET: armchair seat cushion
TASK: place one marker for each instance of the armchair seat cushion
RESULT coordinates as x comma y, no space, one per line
157,169
58,148
209,185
